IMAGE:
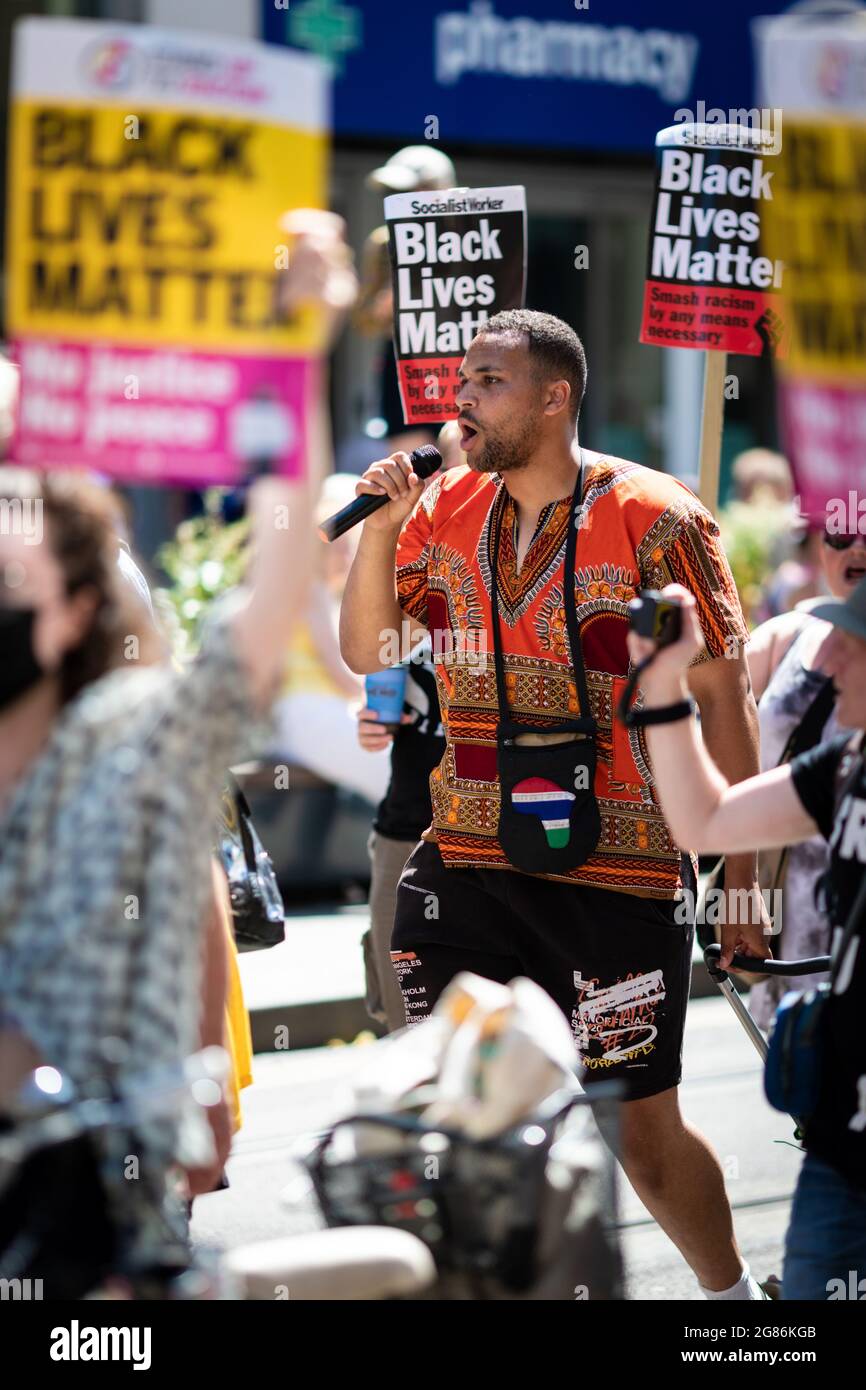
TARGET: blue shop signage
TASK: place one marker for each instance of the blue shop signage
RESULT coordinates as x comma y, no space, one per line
596,75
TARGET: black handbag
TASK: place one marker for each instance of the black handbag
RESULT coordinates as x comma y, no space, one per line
549,821
257,905
794,1074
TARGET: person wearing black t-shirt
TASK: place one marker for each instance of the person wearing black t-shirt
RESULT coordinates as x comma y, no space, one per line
405,811
822,791
403,815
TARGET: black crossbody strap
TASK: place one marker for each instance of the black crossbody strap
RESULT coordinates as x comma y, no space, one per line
805,736
575,648
854,917
244,815
859,905
808,731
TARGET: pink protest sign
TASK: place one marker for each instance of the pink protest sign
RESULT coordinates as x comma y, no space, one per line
147,415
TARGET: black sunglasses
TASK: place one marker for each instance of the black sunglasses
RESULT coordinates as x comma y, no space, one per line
841,542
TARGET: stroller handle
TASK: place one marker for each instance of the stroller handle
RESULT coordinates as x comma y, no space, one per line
812,966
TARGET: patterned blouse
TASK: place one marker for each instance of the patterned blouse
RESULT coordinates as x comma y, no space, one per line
639,530
805,926
105,868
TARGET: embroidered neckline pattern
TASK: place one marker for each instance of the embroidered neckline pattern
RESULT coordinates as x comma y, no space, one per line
517,591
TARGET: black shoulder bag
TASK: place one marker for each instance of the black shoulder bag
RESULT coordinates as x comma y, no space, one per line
793,1074
257,907
549,821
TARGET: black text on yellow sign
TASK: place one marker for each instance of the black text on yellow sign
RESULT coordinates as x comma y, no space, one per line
157,226
817,224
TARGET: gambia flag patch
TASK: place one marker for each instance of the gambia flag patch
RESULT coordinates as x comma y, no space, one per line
538,796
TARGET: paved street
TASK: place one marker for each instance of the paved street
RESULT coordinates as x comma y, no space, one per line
296,1093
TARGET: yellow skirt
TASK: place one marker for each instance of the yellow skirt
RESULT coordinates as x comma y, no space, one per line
238,1039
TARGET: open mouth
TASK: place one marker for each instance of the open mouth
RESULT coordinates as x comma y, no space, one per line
468,435
854,573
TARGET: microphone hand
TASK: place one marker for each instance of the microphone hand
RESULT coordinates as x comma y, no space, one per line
392,477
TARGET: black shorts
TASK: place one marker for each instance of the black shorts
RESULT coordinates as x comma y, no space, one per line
618,966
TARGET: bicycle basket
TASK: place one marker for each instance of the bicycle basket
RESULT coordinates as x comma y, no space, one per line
476,1204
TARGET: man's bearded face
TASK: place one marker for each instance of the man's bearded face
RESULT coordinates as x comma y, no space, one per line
500,403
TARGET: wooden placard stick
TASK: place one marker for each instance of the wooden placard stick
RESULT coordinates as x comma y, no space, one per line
712,420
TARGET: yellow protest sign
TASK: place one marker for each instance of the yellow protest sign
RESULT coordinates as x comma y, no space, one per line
817,224
148,175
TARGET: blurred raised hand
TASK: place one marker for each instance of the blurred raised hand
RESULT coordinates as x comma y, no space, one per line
321,267
320,274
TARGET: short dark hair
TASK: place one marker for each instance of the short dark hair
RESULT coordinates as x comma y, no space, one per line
554,347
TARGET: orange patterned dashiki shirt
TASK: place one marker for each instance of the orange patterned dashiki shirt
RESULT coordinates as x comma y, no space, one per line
640,530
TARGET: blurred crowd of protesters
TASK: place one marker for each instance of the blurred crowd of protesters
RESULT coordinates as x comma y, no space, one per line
116,950
785,564
819,792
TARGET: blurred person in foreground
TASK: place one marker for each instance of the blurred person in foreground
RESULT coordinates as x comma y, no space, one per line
224,1021
109,770
109,774
796,709
404,812
610,916
822,792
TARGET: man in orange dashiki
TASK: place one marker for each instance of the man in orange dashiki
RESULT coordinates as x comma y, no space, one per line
602,920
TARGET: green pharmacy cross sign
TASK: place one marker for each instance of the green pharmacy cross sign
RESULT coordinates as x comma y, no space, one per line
326,28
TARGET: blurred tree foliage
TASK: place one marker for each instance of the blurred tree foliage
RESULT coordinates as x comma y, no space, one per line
205,558
755,539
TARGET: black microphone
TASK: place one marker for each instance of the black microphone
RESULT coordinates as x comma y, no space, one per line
425,461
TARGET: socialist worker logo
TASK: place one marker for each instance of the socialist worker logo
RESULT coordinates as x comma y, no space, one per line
108,64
